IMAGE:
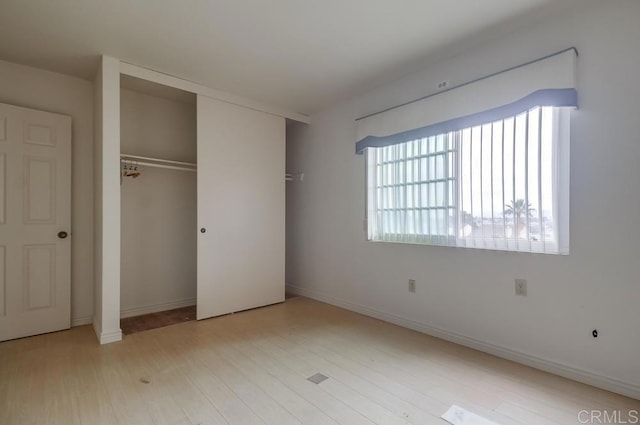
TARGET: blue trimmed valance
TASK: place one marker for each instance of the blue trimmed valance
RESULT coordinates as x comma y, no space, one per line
545,97
548,81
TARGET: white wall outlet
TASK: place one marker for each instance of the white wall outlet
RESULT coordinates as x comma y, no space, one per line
521,287
443,85
412,285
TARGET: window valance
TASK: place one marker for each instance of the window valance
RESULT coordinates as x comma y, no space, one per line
549,81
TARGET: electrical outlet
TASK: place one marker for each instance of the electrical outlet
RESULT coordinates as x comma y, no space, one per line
521,287
412,285
443,85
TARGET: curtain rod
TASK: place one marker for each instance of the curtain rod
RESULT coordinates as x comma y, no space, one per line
471,82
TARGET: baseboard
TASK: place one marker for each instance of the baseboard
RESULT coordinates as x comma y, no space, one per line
79,321
570,372
97,329
138,311
109,337
106,337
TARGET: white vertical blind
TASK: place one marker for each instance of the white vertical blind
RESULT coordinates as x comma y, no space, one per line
492,186
482,165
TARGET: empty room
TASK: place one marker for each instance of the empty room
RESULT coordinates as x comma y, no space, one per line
356,212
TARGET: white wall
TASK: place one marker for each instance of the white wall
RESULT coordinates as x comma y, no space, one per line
48,91
97,205
158,242
468,295
106,318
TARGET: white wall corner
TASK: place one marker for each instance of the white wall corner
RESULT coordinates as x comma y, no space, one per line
97,203
600,381
96,328
108,201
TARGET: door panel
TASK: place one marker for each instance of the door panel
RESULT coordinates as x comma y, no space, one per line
3,187
3,280
3,129
40,190
35,204
39,276
241,205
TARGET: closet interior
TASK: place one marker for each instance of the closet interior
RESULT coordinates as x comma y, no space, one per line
158,142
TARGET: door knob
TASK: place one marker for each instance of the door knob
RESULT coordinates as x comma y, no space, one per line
203,230
63,234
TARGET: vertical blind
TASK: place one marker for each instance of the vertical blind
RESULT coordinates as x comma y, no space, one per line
493,186
493,179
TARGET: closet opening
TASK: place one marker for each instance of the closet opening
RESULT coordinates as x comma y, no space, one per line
294,178
158,139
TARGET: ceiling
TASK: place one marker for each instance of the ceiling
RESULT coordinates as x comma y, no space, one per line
297,54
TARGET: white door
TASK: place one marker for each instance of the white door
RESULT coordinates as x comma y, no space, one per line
241,208
35,219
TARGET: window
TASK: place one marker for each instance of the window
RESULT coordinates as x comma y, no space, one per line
499,185
483,164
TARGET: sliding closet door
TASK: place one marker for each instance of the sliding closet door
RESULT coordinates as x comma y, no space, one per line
241,208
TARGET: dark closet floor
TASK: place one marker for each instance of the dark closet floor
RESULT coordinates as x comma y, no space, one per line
161,319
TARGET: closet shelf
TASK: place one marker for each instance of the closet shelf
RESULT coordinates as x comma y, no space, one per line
159,162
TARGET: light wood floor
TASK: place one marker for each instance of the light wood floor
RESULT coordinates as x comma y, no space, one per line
251,368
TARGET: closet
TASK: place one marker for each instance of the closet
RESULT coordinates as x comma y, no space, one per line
189,197
158,154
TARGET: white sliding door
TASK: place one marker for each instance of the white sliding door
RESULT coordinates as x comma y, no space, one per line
241,208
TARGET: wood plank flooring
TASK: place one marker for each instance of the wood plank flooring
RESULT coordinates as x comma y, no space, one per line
251,368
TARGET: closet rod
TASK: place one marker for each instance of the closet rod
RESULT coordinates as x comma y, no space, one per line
155,160
168,167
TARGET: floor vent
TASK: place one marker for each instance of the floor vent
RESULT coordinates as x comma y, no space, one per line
317,378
